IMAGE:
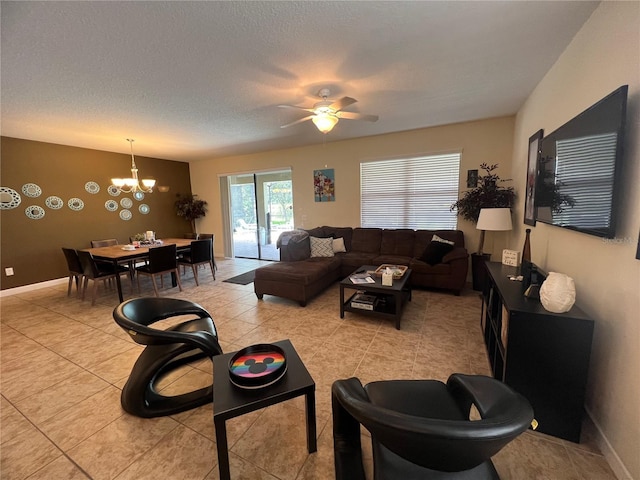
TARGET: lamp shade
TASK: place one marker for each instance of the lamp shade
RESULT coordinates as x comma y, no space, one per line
494,219
325,121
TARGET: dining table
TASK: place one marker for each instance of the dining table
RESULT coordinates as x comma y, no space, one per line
117,254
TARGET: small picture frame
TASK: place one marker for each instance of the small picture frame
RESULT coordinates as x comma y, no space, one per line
472,178
532,174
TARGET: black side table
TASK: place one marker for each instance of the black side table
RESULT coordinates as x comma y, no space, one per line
230,401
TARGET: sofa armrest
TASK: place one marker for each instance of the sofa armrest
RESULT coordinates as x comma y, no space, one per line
455,254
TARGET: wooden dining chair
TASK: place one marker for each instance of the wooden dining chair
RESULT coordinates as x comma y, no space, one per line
200,254
161,260
75,270
98,271
104,243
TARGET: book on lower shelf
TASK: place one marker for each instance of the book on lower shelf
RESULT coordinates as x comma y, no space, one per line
364,301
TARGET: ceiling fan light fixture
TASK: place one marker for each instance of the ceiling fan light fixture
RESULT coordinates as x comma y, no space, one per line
325,122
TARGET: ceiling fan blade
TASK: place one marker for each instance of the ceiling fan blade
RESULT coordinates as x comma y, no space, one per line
304,119
357,116
297,108
342,103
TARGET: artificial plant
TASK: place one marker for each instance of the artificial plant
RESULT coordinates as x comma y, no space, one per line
191,208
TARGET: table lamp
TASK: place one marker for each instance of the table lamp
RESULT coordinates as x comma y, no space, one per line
493,219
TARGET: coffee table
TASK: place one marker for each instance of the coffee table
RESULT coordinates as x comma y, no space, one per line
394,295
230,401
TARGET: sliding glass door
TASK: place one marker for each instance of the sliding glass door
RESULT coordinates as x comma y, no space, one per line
261,207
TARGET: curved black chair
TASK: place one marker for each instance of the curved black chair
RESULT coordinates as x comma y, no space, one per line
166,350
421,428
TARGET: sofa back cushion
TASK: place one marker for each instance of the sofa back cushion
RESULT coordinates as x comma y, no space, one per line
423,238
340,232
366,240
397,242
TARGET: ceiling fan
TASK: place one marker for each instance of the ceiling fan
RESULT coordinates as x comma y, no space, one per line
326,113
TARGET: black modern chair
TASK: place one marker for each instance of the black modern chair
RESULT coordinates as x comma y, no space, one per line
75,270
420,429
161,260
166,350
199,254
205,236
95,271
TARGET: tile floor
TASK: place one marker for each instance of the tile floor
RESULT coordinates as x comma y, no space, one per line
63,364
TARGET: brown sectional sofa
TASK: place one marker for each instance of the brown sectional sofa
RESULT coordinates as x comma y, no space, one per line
300,277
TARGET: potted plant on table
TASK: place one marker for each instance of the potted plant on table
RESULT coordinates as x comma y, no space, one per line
486,194
191,208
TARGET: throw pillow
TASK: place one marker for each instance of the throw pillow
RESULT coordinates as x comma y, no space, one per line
321,247
436,238
338,245
435,251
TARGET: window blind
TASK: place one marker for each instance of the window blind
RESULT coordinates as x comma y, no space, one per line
412,193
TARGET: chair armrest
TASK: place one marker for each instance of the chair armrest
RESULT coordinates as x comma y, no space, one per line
455,254
347,449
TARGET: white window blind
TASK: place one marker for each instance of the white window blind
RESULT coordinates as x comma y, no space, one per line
585,168
410,192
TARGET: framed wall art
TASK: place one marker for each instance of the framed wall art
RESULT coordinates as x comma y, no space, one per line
532,173
324,185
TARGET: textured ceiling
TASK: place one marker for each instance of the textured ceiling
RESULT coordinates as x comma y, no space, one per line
196,80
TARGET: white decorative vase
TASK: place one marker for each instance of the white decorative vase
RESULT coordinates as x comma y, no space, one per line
558,293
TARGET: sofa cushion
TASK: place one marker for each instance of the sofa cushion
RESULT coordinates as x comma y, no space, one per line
423,238
397,242
435,251
339,232
366,240
321,247
304,272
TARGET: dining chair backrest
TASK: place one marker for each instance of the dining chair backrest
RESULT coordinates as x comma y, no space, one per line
162,258
104,243
200,251
89,267
73,262
190,236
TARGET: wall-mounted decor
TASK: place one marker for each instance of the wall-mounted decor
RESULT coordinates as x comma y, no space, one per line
126,203
113,191
144,208
324,187
31,190
75,204
472,178
34,212
138,196
9,198
111,205
92,187
532,174
54,203
125,214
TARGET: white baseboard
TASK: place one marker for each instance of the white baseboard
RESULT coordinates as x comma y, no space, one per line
609,453
34,286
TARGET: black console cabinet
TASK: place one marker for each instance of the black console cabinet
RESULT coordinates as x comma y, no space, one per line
542,355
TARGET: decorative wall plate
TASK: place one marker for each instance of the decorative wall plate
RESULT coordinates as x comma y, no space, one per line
54,203
125,214
138,195
111,205
113,191
92,187
126,203
34,212
144,208
75,204
9,198
31,190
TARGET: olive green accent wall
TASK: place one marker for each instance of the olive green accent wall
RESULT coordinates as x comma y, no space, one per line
33,247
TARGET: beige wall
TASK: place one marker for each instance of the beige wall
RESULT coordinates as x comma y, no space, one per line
604,55
481,141
32,247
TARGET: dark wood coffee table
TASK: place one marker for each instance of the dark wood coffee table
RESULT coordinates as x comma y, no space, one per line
230,401
394,296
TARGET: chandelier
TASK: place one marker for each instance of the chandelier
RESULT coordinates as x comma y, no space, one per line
130,185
